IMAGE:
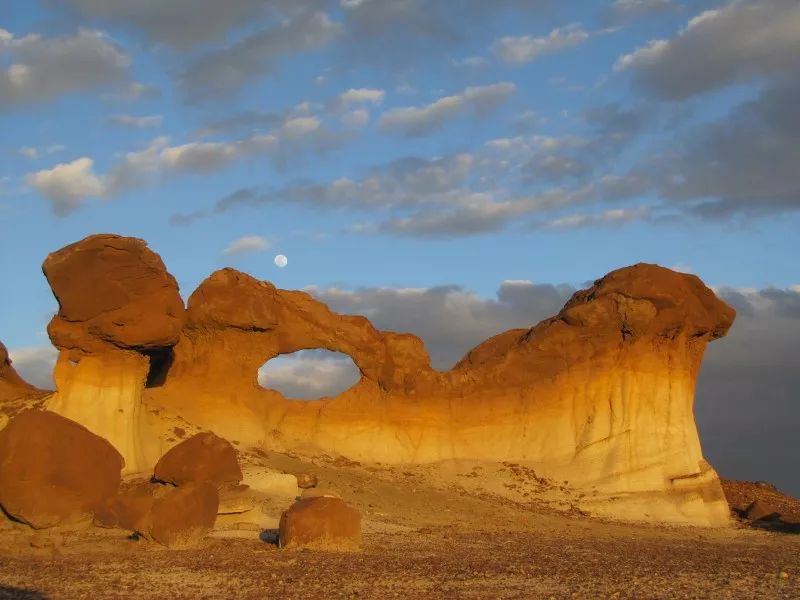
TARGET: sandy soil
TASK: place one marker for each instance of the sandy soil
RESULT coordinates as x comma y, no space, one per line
421,540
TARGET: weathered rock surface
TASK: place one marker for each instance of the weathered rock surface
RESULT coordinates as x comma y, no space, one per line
203,457
600,395
54,471
759,510
185,515
14,388
119,315
321,523
177,517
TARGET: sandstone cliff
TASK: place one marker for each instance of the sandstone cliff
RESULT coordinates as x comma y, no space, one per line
600,395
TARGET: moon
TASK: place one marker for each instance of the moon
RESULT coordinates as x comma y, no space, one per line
281,261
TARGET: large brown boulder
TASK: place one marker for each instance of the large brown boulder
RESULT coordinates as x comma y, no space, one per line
203,457
175,517
322,523
54,471
112,290
185,515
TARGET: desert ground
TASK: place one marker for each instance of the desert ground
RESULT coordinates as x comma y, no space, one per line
422,538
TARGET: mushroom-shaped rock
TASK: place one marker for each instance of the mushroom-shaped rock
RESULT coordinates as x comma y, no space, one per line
184,515
203,457
321,523
54,471
119,315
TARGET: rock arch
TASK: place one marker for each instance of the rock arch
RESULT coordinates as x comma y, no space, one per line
601,394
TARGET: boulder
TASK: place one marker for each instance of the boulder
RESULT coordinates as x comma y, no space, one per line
184,515
130,509
112,291
203,457
758,510
177,517
54,471
306,480
321,523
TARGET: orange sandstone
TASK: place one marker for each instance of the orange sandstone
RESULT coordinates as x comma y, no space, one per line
600,395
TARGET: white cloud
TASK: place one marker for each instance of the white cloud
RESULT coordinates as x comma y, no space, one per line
523,49
300,127
246,245
422,120
43,68
222,72
309,375
135,122
67,185
743,40
356,118
35,364
362,95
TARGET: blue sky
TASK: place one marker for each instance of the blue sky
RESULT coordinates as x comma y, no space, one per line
396,144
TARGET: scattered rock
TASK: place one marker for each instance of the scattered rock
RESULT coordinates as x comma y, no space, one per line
306,480
203,457
270,482
54,471
321,523
184,515
760,511
236,499
320,493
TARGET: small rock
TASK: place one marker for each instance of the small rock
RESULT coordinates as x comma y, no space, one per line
306,480
760,510
784,575
320,523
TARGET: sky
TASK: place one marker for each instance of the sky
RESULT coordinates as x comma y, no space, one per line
452,168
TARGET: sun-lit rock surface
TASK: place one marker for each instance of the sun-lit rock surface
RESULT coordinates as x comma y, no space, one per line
16,394
119,315
599,396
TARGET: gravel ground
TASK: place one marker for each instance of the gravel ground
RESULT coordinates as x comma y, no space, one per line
420,541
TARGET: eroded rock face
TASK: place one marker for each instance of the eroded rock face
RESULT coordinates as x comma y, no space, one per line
203,457
321,523
14,390
53,471
119,315
177,517
600,395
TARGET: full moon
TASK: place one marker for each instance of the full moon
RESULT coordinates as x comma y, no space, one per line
281,261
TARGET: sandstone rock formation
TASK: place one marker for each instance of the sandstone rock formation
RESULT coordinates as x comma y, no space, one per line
600,395
321,523
53,471
14,389
203,457
177,517
119,313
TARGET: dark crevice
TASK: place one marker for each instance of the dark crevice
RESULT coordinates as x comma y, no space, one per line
160,362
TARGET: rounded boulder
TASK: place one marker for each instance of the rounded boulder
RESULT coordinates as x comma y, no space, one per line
321,523
54,471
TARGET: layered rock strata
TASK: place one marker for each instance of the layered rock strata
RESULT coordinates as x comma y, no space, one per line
119,314
600,395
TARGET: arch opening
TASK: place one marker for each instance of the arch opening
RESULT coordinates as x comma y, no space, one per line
309,374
